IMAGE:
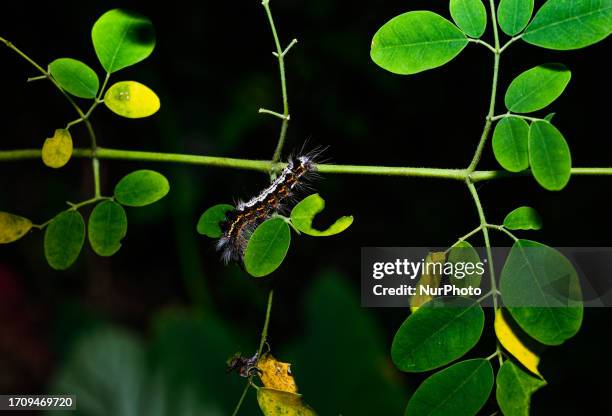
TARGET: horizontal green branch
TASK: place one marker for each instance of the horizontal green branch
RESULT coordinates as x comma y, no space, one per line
265,165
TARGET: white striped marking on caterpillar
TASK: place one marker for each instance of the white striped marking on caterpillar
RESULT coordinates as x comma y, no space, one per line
240,223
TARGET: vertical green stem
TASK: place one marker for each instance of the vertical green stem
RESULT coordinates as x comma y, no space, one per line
264,331
489,119
476,159
262,342
280,54
95,164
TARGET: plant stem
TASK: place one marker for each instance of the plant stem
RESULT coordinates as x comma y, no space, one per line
262,343
280,55
465,237
489,119
264,331
515,115
242,396
74,207
483,43
265,165
510,42
503,230
44,72
485,234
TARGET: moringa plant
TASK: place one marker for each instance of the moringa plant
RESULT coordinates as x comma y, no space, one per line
438,331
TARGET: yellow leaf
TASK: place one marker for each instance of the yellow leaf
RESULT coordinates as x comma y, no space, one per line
509,339
13,227
131,99
428,279
57,150
276,374
281,403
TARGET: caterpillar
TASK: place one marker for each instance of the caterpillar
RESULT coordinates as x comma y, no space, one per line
241,222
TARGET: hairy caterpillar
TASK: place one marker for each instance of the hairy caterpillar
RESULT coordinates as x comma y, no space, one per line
240,223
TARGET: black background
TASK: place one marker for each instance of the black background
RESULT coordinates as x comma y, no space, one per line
213,69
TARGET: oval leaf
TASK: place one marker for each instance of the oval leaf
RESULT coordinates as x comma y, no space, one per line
470,16
303,214
75,77
57,150
122,38
541,290
439,332
459,390
208,223
267,247
464,258
510,144
64,238
416,41
536,88
549,156
142,187
107,226
131,99
515,388
13,227
281,403
523,218
516,342
513,15
570,24
431,277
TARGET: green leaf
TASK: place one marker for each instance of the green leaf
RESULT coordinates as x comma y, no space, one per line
510,144
459,390
267,247
464,258
540,289
570,24
549,156
470,16
122,38
549,117
75,77
513,15
281,403
439,332
64,238
523,218
142,187
536,88
416,41
208,224
131,99
107,226
13,227
303,214
515,388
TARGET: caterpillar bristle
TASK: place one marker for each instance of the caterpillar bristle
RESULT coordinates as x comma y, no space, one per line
278,197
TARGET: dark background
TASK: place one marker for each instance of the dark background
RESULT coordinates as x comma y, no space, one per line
167,300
